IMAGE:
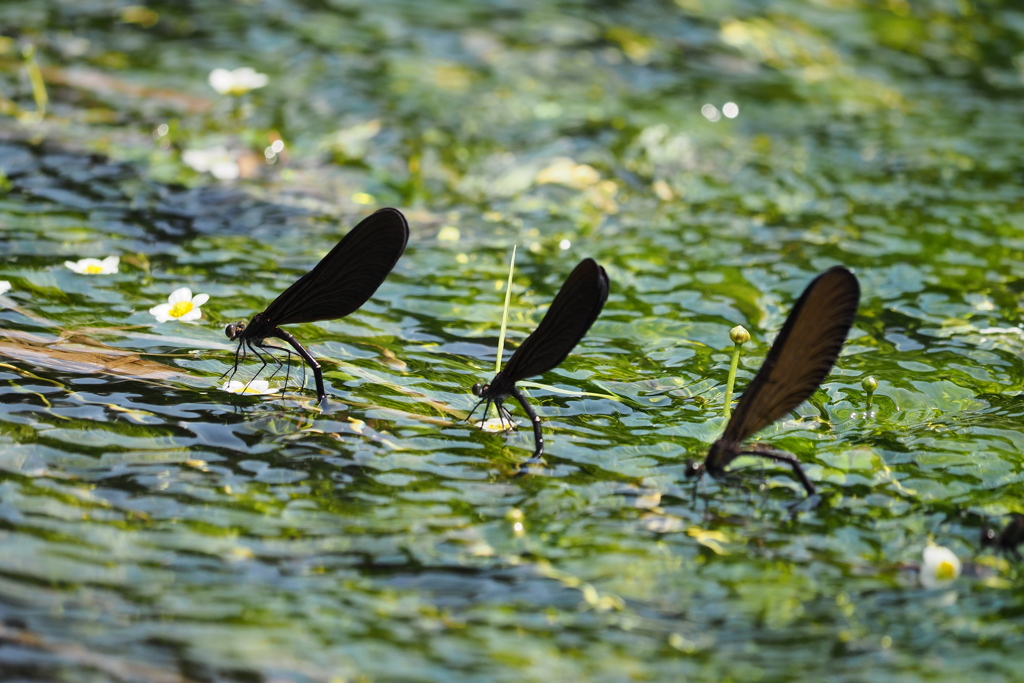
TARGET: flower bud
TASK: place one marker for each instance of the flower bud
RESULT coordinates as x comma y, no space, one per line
739,335
870,384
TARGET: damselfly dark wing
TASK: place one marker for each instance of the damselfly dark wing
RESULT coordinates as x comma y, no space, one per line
347,276
574,310
802,355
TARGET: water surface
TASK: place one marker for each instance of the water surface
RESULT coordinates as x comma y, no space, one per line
157,528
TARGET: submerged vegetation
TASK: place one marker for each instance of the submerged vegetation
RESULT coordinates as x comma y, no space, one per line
712,156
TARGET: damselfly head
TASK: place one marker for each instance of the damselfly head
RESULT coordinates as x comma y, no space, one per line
479,389
234,330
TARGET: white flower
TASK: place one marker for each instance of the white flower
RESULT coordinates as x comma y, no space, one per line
4,286
237,82
256,386
940,566
181,305
218,161
94,266
496,424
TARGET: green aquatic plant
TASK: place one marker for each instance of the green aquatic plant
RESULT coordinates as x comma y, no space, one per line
504,313
869,384
35,77
504,327
739,337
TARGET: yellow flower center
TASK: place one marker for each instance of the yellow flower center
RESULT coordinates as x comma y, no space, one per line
179,309
945,571
93,269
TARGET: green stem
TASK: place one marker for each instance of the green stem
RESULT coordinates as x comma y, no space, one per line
731,381
35,77
504,315
869,384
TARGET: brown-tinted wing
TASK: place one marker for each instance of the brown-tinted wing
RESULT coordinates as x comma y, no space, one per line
802,355
571,314
348,275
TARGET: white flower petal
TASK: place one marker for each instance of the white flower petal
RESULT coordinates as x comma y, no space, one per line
940,567
247,78
496,424
80,265
179,295
226,170
221,80
162,313
237,82
218,161
256,386
4,286
181,305
93,266
197,159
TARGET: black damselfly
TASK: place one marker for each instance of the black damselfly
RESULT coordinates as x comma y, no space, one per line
337,286
801,357
571,314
